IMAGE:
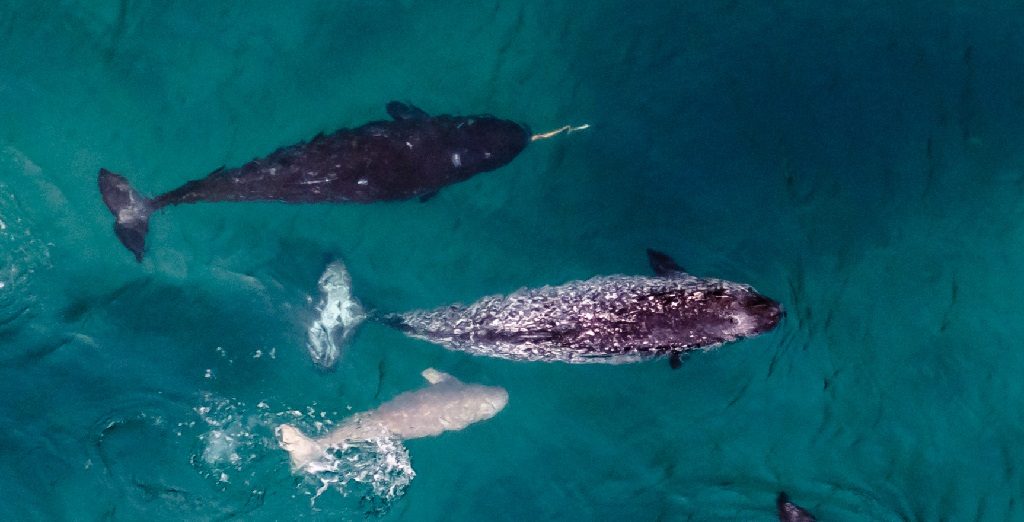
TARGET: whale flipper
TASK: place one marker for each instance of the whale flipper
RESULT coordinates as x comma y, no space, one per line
663,264
131,211
433,376
403,111
675,361
790,512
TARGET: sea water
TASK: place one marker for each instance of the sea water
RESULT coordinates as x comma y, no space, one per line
861,162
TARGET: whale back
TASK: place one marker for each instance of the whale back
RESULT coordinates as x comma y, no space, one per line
447,404
603,319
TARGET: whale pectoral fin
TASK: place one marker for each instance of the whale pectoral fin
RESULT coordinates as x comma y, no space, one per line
675,361
433,376
403,111
428,196
663,264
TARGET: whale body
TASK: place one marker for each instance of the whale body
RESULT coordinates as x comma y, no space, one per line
607,319
411,155
447,404
790,512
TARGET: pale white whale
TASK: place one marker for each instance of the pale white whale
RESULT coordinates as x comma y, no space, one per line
447,404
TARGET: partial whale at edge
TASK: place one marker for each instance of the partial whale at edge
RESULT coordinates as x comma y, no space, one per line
790,512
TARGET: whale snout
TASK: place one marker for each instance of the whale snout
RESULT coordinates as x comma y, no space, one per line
765,312
488,143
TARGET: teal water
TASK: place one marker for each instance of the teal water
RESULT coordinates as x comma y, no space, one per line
862,162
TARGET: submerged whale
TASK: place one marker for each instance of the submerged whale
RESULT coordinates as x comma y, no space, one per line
607,319
447,404
412,155
790,512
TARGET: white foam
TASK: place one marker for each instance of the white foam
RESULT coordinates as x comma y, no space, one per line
235,439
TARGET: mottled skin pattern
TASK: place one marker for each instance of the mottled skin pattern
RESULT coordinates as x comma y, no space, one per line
610,319
412,155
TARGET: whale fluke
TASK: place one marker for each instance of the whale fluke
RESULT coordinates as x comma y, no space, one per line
301,449
790,512
340,315
663,264
131,211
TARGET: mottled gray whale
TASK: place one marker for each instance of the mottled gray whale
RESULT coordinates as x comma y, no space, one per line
411,155
607,319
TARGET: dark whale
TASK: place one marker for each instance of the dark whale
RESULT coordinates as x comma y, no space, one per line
608,319
411,155
790,512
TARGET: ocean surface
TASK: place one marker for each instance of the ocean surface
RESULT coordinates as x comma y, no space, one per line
861,162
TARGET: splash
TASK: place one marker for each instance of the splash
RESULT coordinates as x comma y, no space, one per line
21,254
236,442
140,430
232,438
378,470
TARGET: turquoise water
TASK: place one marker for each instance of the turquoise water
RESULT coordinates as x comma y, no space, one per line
862,162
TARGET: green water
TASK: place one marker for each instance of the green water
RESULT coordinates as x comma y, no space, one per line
862,162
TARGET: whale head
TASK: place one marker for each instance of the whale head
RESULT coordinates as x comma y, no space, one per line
754,313
485,143
733,311
711,313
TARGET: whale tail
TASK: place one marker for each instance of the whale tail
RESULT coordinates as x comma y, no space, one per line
301,449
131,211
340,316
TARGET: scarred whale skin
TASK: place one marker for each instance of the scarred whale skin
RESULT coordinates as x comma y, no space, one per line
411,155
606,319
448,404
610,319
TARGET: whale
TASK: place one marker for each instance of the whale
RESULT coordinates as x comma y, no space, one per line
790,512
411,155
606,319
446,404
